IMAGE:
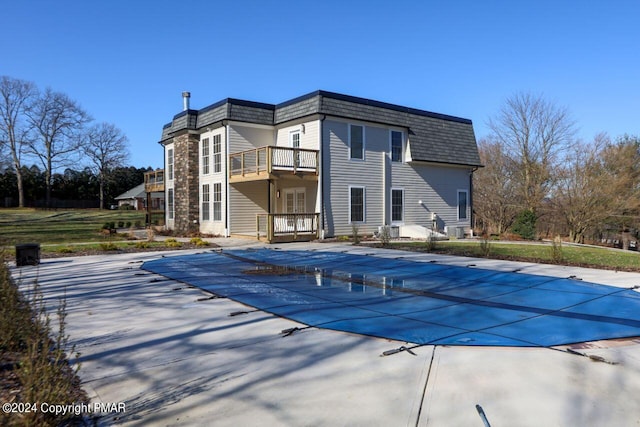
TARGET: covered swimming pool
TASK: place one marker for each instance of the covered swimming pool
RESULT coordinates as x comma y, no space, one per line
412,301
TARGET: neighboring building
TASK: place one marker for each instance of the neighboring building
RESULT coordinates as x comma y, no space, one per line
137,198
317,165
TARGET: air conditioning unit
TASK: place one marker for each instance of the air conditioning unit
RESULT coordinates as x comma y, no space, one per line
394,231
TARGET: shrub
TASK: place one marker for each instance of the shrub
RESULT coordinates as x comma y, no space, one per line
120,224
142,245
66,250
37,353
385,236
110,246
431,243
198,242
485,246
557,256
525,225
172,243
354,234
137,224
127,224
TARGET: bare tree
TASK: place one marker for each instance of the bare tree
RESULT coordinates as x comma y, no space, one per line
622,161
533,133
15,98
582,195
106,148
493,188
57,120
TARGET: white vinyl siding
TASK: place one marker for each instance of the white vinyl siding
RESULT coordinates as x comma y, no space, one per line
356,142
340,172
246,200
357,203
308,132
217,201
436,186
205,156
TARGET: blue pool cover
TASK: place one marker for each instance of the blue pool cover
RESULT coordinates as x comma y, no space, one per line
412,301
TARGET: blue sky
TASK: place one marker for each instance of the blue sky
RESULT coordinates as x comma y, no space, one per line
127,62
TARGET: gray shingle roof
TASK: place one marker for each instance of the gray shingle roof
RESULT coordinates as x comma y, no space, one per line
433,137
134,193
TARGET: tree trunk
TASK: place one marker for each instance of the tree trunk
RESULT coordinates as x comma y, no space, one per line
101,183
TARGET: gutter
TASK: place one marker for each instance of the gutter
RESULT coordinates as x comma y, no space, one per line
475,168
227,229
321,182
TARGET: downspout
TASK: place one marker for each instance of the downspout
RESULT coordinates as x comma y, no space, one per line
227,223
321,169
475,168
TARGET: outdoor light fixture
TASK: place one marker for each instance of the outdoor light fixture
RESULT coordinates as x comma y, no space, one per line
420,202
278,194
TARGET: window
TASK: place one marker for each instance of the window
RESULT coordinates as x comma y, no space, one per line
170,207
397,205
217,154
462,204
294,139
217,201
356,204
356,142
170,164
205,203
396,146
205,156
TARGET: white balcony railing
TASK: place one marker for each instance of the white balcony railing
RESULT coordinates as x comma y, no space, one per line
287,227
269,159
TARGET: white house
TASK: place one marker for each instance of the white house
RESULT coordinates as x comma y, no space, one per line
315,166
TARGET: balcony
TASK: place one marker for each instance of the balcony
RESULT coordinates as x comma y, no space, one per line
272,163
295,227
154,181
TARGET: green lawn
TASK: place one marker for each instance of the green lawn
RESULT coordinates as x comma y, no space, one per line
60,226
571,255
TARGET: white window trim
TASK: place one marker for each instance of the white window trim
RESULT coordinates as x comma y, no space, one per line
364,204
203,201
206,167
393,222
402,149
293,132
213,202
217,165
295,191
170,163
466,212
364,143
171,204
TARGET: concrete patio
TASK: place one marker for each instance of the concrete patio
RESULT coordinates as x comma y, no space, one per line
176,357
